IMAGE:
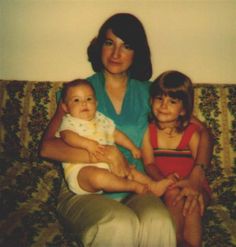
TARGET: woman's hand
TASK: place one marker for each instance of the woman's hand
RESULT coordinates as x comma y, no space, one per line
192,197
115,159
117,162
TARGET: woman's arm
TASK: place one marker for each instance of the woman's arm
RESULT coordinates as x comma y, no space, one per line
54,148
193,187
205,147
197,175
203,157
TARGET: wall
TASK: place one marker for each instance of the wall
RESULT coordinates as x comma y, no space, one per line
47,39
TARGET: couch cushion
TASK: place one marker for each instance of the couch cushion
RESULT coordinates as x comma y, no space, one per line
28,197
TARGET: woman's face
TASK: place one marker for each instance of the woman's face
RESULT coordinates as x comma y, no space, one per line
116,55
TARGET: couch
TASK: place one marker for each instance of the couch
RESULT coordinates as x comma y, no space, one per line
29,185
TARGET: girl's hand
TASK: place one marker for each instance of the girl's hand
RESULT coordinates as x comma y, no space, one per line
192,197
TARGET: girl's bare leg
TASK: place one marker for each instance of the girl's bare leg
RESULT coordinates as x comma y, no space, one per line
93,179
158,188
192,229
188,228
177,213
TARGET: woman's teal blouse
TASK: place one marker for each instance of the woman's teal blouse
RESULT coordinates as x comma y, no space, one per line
132,119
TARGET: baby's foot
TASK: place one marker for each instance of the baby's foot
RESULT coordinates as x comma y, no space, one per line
141,188
159,188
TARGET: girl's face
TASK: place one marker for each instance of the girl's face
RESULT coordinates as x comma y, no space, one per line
166,109
117,56
81,102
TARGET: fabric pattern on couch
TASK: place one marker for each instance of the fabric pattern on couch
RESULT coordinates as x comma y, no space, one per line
29,185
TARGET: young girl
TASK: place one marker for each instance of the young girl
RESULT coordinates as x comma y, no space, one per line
170,147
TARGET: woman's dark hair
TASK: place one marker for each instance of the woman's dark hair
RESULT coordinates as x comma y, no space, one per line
178,86
128,28
74,83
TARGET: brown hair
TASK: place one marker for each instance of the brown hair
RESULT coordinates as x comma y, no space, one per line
129,28
178,86
74,83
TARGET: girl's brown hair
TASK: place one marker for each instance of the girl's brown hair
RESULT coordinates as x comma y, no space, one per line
178,86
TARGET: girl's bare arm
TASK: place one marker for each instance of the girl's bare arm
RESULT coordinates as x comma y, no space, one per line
148,158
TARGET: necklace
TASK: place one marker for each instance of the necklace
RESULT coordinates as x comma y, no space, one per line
169,131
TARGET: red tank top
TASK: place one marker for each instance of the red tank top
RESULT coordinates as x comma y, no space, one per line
177,160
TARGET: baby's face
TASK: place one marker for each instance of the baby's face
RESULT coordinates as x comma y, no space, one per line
81,102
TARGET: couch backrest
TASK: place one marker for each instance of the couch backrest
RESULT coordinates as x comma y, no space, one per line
215,104
26,108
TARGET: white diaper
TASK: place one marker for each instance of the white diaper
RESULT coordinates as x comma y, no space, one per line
71,172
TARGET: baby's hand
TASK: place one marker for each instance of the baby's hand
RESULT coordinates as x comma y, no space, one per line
95,148
136,153
130,176
174,177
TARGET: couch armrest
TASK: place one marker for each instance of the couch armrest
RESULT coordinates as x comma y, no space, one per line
28,192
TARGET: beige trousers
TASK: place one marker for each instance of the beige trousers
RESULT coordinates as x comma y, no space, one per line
97,221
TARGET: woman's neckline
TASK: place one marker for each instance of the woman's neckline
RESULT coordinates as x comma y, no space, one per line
111,86
115,81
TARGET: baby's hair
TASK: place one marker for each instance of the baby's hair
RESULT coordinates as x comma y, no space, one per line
178,86
74,83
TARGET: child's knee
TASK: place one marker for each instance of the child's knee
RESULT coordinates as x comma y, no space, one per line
98,175
170,195
90,177
195,213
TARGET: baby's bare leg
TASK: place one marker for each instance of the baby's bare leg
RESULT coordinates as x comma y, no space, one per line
160,187
93,179
156,187
139,176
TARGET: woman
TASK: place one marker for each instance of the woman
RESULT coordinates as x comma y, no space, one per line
121,57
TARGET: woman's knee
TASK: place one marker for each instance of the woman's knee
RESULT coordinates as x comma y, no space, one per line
148,206
118,227
97,220
156,225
